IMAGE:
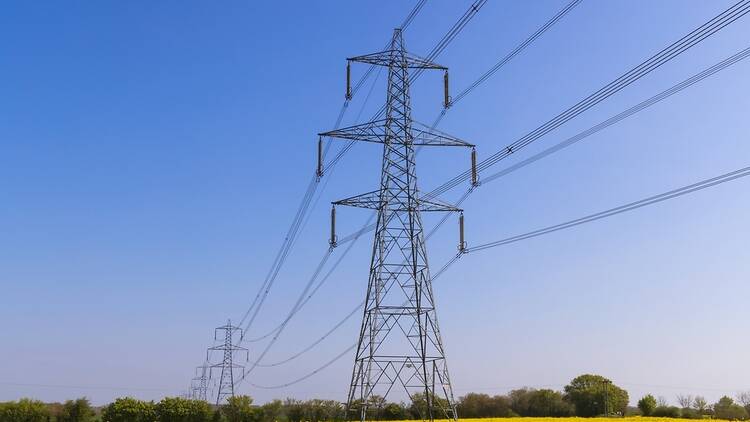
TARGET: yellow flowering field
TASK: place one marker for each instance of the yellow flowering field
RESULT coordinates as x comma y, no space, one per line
572,419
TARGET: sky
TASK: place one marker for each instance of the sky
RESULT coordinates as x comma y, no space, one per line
155,153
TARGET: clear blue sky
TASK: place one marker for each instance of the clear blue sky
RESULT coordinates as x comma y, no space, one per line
154,153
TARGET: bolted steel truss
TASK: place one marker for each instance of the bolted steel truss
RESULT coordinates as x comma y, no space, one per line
400,348
227,365
199,384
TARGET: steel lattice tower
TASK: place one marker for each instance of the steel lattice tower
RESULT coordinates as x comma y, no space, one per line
199,386
227,365
400,348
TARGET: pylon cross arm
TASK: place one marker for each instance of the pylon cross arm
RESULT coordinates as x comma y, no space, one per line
377,131
397,58
375,200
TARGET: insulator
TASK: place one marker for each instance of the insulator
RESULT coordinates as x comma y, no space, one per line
333,239
474,176
447,100
319,171
348,80
461,241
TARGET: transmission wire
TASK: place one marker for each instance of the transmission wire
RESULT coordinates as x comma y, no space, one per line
621,116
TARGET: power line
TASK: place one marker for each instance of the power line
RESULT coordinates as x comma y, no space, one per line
88,387
704,184
482,79
741,55
735,58
434,53
303,208
697,35
290,238
300,379
463,93
654,62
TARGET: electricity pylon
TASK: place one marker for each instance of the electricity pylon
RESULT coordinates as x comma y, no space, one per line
199,385
227,365
400,346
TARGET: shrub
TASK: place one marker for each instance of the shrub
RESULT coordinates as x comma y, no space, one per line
726,408
240,409
129,410
175,409
475,405
548,403
666,412
76,411
647,404
24,410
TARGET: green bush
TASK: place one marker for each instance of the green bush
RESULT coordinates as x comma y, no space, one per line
666,412
175,409
726,408
129,410
76,411
476,405
647,405
240,409
24,410
545,403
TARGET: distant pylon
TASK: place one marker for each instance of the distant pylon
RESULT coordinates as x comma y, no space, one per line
227,365
199,385
399,343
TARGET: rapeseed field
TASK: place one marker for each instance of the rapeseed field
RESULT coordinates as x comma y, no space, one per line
572,419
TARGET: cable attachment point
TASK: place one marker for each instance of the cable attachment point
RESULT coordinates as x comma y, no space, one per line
447,102
348,80
319,170
474,174
461,241
333,240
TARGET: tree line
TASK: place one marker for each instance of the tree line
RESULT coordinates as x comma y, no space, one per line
585,396
696,407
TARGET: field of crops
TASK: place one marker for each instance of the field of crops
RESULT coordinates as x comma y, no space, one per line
575,419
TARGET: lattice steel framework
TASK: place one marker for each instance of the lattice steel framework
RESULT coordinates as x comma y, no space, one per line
400,347
199,384
227,364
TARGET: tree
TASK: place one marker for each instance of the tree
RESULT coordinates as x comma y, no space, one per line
666,412
501,407
240,409
272,410
294,410
726,408
647,404
393,412
418,408
217,416
474,405
519,401
595,395
24,410
685,401
78,410
129,410
744,399
175,409
548,403
700,405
